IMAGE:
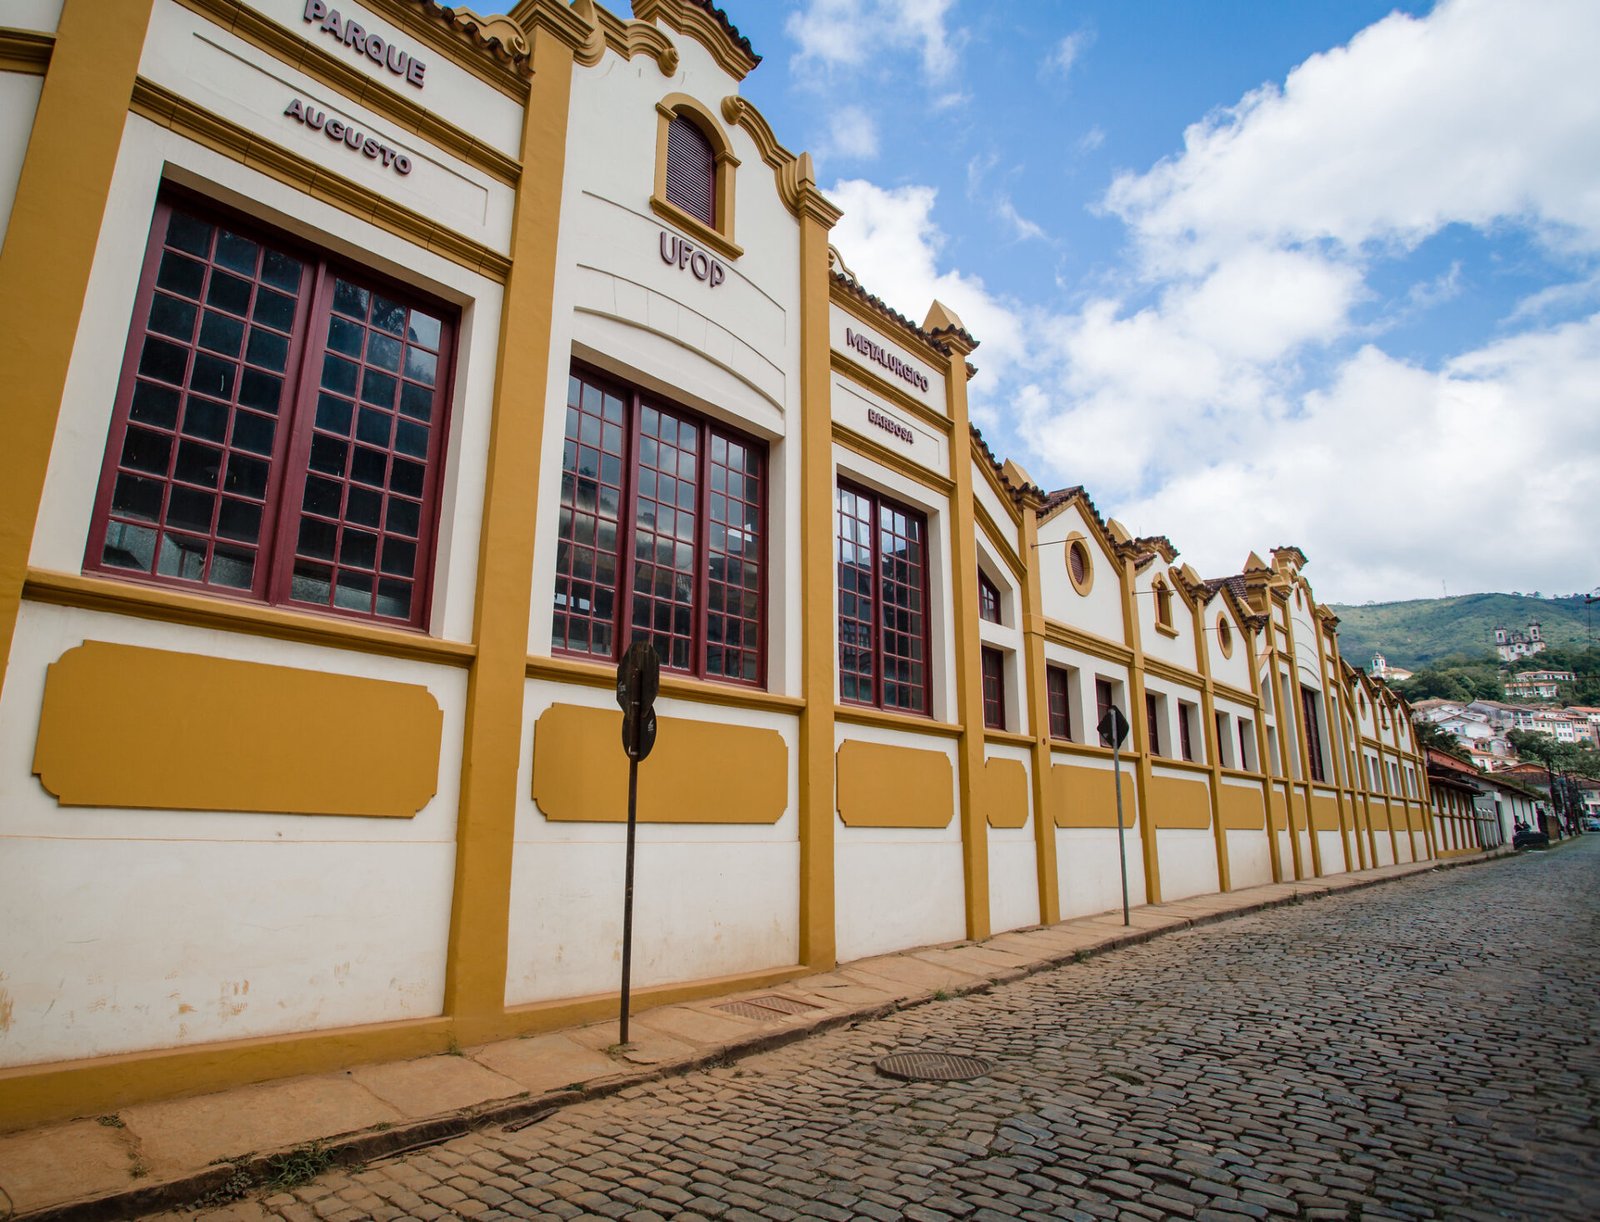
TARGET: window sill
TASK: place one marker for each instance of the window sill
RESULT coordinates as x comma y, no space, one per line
198,611
860,715
676,687
1007,738
1164,630
711,239
1092,752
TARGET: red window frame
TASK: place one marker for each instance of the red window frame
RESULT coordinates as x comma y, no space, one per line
1105,698
1055,681
994,688
372,503
1185,733
627,440
1308,704
988,599
860,517
1152,723
691,169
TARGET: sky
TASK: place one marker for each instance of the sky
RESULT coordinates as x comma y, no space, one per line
1323,273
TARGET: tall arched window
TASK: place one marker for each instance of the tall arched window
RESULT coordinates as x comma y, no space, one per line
691,170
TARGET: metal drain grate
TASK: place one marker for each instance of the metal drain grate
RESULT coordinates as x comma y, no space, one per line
768,1006
934,1066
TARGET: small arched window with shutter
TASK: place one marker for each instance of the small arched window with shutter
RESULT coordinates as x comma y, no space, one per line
691,170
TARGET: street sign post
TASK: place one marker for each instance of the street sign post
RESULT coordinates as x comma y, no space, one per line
1113,729
638,682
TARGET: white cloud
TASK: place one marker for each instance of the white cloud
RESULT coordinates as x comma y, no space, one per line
1020,225
1092,139
852,133
835,34
1219,395
1066,53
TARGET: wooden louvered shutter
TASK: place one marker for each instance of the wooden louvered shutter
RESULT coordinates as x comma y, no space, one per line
691,170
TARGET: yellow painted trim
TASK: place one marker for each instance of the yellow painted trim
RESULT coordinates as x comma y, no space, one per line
1302,739
534,1017
26,51
859,715
818,619
1005,738
32,1095
1006,548
126,726
1038,703
968,663
1161,669
1208,734
691,19
719,237
892,459
626,38
1136,716
1241,810
1088,751
914,342
678,687
442,29
794,176
51,238
1225,634
1102,647
1237,694
886,390
1078,539
980,460
224,615
475,973
1179,803
336,74
699,771
178,114
1003,793
884,786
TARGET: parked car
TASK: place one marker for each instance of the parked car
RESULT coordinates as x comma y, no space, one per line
1591,823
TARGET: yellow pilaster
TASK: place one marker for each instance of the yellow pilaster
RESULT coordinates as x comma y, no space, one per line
818,947
1303,745
969,662
1285,766
1139,725
49,250
1262,756
1208,712
1334,729
1044,824
475,977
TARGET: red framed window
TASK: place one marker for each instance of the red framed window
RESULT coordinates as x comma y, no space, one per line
1185,732
1308,703
691,170
279,426
883,599
662,534
994,689
1152,723
1104,701
1055,681
988,599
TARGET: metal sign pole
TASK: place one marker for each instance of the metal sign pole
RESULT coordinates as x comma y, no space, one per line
1122,845
638,681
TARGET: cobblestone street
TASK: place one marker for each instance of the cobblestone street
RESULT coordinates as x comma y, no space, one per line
1427,1049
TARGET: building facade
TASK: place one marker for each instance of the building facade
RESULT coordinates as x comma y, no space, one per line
379,372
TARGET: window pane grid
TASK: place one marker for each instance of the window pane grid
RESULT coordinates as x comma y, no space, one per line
857,634
901,567
734,567
994,689
356,546
190,482
988,600
1060,709
665,531
592,464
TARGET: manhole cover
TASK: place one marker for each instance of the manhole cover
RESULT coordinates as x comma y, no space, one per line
933,1066
769,1006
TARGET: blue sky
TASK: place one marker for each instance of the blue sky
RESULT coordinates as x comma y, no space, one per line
1254,273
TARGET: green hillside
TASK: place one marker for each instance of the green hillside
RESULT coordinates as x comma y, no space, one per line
1424,630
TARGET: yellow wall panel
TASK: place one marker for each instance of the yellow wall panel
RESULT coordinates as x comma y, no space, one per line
1004,793
883,786
1241,809
1279,806
1087,797
126,726
699,771
1179,803
1324,813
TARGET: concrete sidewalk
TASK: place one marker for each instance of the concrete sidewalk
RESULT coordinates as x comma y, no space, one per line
160,1155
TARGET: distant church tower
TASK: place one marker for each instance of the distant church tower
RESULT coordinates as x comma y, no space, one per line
1513,644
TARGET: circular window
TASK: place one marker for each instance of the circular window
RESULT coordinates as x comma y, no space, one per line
1079,568
1225,636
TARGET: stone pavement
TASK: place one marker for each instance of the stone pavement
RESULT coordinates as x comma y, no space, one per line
1165,1081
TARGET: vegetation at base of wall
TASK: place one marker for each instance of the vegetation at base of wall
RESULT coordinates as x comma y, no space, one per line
1424,631
299,1166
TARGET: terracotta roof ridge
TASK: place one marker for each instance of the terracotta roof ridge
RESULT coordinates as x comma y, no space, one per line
880,306
732,31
